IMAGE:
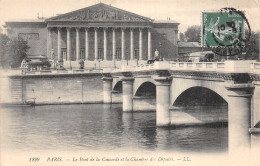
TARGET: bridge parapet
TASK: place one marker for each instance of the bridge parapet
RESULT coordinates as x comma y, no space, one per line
242,66
199,66
255,67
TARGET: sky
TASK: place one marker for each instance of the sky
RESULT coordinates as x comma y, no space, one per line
186,12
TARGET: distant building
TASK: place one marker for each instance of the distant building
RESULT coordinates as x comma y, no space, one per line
185,48
95,33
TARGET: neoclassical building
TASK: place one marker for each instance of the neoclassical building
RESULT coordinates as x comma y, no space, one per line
97,33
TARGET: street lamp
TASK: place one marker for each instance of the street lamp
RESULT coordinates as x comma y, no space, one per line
70,64
126,57
99,63
160,45
137,58
114,61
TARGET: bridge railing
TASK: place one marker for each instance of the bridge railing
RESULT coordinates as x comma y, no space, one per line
201,66
53,72
248,66
255,67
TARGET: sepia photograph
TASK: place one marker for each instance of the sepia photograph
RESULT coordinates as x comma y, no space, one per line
120,82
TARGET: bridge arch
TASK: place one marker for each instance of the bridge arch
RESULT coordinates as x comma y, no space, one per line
146,89
138,82
199,105
179,86
117,87
198,95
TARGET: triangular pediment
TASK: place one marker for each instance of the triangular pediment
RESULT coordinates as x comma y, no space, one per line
100,12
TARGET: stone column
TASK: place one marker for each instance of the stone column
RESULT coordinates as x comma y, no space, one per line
105,43
114,43
49,46
59,44
123,43
239,116
127,93
107,89
96,43
68,44
141,44
86,43
77,45
149,45
163,100
132,44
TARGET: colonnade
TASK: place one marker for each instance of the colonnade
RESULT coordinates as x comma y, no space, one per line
96,38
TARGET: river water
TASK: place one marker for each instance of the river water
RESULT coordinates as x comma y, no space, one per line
101,127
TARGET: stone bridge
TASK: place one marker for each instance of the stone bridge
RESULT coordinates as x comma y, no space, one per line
162,83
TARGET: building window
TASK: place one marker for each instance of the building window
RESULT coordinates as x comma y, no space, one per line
82,54
28,36
64,54
118,54
100,53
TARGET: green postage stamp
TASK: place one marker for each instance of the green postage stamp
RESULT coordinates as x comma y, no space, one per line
222,29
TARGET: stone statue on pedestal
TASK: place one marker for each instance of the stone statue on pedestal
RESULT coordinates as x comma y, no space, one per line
156,55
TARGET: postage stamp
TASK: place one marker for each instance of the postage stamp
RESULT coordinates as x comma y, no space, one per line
222,29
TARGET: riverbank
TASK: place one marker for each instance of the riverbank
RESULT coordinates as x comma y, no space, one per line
48,89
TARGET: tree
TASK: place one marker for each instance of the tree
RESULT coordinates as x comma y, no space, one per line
192,34
3,50
12,51
17,50
252,46
182,37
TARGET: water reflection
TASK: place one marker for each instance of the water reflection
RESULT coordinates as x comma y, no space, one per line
101,127
140,129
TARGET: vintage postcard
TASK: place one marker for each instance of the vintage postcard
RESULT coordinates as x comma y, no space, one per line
119,82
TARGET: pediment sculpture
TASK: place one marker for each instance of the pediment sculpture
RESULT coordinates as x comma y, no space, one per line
100,14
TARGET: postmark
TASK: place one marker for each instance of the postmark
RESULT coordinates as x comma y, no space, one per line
224,32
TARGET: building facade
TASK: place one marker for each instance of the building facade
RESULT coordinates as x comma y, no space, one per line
97,33
185,48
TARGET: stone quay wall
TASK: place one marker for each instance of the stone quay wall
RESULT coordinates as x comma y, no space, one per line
54,89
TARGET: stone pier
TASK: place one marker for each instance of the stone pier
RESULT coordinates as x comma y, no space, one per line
162,100
107,90
127,94
239,116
